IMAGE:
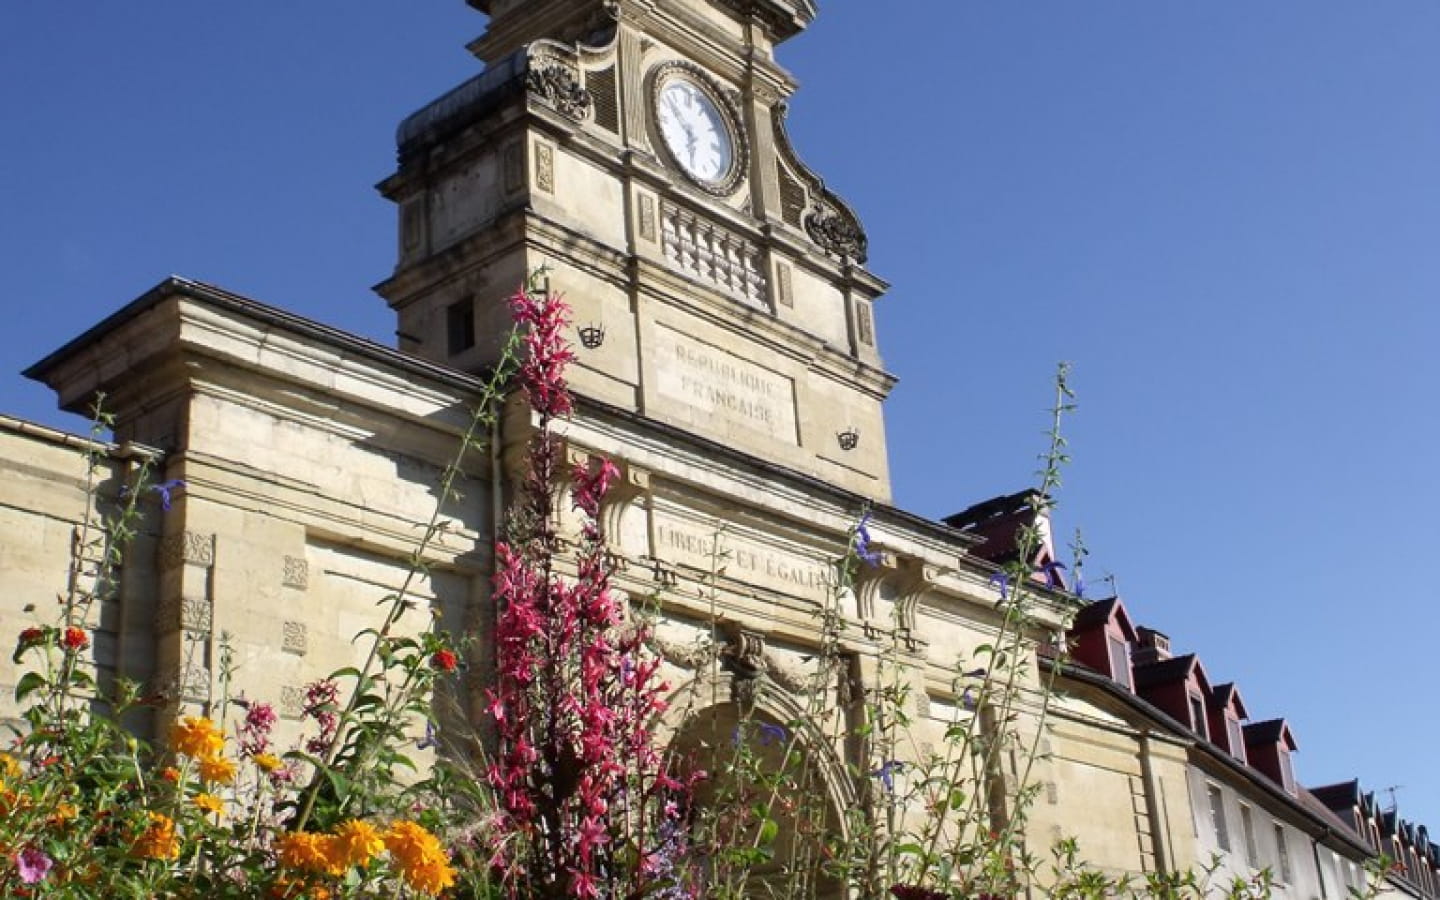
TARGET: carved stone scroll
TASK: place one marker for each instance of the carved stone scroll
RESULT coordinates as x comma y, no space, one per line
559,86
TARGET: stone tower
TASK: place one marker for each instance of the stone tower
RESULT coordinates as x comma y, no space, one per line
638,150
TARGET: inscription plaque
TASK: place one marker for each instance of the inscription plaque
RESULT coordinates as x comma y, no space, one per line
743,559
725,389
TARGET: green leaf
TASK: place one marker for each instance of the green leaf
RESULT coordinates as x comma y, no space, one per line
769,829
29,683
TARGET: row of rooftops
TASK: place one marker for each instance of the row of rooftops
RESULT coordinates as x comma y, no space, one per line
1137,661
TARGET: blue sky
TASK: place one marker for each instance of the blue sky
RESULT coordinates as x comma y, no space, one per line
1225,214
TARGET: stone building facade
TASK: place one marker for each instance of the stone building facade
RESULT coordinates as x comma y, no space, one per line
728,362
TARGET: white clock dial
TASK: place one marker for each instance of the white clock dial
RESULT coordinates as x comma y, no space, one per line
695,131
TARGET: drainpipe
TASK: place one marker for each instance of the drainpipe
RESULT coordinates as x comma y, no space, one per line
1159,825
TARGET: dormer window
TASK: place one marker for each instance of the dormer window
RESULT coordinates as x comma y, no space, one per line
1120,662
1197,716
1237,738
1287,771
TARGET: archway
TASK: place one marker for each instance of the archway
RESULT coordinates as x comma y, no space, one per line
767,819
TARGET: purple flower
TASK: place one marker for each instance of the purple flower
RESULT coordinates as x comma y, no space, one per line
1002,581
1052,574
862,542
429,740
33,864
886,773
771,733
164,488
967,699
1079,588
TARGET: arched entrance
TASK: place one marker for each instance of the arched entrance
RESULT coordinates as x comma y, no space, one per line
767,820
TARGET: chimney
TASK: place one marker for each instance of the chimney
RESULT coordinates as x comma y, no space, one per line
1150,646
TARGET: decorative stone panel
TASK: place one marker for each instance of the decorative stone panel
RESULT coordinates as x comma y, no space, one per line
294,638
296,573
292,702
545,168
188,683
187,547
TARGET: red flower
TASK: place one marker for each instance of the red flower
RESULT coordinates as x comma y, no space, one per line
444,660
75,639
32,636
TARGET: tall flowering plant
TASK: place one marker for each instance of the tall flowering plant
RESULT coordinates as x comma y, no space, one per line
582,792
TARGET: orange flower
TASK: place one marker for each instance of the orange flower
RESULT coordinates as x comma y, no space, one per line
158,841
309,852
419,858
299,850
170,774
208,803
63,813
357,842
217,770
196,737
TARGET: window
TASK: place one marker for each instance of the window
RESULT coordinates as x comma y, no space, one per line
1247,827
1237,738
1282,856
460,326
1287,771
1217,818
1197,716
1120,662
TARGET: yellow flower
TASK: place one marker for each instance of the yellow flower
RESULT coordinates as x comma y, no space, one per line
158,841
217,770
9,767
196,737
209,803
267,762
417,855
357,842
63,813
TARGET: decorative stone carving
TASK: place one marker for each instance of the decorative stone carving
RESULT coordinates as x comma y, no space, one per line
744,654
190,683
922,704
190,614
647,217
296,573
545,168
784,295
837,234
713,255
294,638
691,655
791,679
187,547
559,87
865,326
292,702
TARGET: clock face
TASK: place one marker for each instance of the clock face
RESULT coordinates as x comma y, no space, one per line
695,131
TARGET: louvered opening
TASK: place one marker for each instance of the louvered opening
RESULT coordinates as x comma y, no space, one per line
601,85
792,198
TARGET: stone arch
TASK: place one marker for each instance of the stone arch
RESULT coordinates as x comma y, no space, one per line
705,720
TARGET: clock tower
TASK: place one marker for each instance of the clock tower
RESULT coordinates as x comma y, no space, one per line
637,149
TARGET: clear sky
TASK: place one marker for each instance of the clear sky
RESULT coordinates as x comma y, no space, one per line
1224,213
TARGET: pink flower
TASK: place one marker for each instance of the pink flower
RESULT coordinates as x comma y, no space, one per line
33,865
